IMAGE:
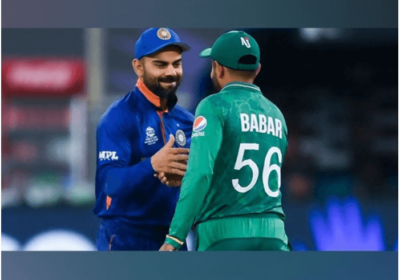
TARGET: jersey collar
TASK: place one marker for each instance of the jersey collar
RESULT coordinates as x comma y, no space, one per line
243,85
152,98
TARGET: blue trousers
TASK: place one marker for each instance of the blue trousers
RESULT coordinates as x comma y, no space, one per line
115,235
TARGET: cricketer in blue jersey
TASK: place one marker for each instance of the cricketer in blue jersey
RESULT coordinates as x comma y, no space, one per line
143,134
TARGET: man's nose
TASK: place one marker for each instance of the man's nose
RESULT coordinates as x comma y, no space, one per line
170,71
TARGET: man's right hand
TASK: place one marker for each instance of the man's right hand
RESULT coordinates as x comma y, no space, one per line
167,159
171,180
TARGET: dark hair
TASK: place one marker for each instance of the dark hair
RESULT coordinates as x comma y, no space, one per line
247,74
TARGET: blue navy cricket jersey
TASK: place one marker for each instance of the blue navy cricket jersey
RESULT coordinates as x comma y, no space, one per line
130,132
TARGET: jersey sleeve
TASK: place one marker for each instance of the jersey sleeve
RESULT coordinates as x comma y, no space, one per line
113,156
206,141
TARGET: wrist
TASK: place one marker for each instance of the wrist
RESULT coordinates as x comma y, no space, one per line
174,242
153,165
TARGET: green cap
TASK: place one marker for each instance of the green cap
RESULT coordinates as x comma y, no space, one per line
236,50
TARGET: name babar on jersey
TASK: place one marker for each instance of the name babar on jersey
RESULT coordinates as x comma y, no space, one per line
261,124
198,126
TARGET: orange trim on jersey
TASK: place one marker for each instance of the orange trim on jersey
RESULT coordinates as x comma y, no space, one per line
154,99
108,202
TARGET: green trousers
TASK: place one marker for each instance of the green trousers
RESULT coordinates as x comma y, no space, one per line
257,232
249,244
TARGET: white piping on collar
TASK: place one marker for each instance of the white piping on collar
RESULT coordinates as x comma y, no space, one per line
240,85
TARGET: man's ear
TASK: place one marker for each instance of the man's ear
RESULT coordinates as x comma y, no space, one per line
137,66
220,70
258,69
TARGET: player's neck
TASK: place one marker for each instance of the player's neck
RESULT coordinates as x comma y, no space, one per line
236,80
163,103
156,100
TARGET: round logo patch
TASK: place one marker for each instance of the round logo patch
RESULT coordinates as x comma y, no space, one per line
199,124
163,34
180,138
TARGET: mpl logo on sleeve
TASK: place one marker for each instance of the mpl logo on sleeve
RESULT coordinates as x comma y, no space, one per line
108,155
199,124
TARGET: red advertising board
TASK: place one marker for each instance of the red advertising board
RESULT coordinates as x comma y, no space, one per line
42,77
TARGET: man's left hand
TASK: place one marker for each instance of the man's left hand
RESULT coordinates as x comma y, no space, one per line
167,247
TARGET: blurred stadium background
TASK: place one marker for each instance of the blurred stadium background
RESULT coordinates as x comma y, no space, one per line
337,89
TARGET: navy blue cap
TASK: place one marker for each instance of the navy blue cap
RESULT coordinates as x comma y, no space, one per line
155,39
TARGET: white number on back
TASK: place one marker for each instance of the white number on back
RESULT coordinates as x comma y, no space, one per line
239,164
268,168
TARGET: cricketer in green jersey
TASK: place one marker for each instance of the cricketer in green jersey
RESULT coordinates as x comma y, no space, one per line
231,193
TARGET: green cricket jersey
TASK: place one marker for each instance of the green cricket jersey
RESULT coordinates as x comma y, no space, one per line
239,140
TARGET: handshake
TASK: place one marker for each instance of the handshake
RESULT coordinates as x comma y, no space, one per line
170,164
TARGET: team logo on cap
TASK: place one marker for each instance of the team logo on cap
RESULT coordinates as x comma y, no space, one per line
245,42
180,138
199,124
163,34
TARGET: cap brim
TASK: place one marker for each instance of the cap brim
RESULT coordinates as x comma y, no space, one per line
183,46
206,53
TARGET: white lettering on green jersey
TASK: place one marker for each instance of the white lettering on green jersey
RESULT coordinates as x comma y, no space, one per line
258,123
